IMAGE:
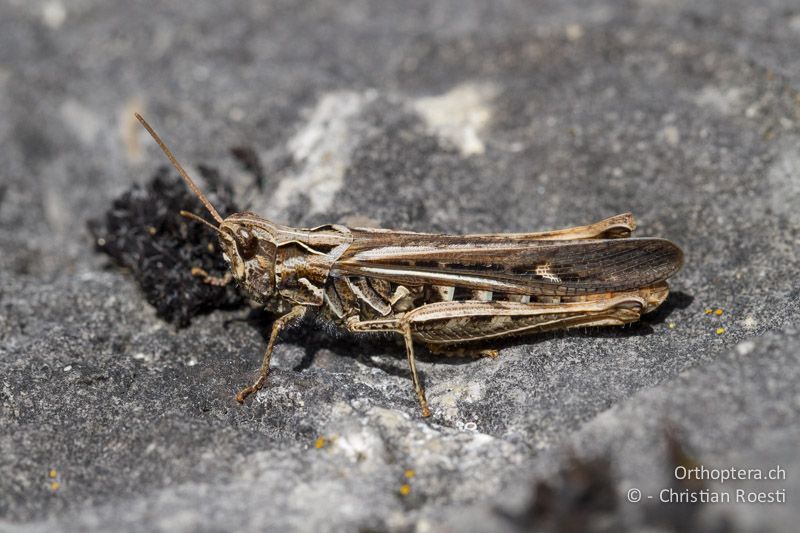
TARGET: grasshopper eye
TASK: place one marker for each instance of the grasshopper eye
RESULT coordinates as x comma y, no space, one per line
246,245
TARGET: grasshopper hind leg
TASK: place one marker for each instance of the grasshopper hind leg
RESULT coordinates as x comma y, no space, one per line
460,350
412,363
395,325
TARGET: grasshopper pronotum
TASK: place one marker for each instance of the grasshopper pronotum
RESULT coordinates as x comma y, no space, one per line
444,291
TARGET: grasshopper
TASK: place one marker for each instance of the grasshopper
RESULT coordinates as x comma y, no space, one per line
443,291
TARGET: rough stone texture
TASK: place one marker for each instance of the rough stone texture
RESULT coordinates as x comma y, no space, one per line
456,116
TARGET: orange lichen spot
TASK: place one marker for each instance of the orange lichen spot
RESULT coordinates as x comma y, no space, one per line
720,331
52,473
55,485
718,312
709,311
409,473
405,489
320,442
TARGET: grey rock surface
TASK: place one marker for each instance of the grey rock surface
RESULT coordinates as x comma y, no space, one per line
451,116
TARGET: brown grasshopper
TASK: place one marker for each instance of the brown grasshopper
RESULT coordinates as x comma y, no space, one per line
444,291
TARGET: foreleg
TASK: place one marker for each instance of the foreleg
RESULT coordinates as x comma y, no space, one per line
281,322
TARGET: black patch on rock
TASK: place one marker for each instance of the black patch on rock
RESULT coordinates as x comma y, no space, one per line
144,233
250,162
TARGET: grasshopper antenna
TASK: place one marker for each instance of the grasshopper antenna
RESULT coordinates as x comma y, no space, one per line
195,189
192,216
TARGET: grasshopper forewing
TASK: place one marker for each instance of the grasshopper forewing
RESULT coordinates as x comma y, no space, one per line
444,291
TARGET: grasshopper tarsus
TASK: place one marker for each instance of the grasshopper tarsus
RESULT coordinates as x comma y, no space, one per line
242,395
208,279
442,290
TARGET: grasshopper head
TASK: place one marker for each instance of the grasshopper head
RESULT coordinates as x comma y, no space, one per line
250,252
248,247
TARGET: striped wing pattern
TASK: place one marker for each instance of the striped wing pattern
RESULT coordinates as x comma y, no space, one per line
518,267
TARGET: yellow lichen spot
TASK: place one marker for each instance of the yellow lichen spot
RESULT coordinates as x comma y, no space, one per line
720,331
320,442
718,312
671,325
55,485
405,489
409,473
151,230
53,473
709,311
